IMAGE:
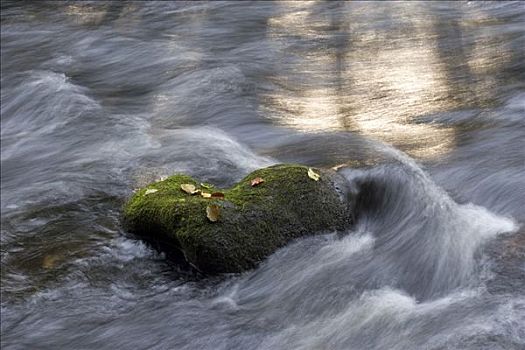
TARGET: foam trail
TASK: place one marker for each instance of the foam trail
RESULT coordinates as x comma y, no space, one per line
426,242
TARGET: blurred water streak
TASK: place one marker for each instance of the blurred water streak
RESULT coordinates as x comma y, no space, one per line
419,104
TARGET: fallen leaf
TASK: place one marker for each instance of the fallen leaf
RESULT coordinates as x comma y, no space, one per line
313,175
213,212
205,195
206,186
189,188
50,261
151,190
162,178
257,181
217,195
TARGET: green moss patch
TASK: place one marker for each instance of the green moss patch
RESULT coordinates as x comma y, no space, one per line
254,220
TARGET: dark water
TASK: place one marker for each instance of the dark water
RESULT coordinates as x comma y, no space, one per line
420,105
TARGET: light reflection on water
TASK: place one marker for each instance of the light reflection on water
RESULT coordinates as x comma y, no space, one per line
376,80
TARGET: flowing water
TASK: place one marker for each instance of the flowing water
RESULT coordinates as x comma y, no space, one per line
420,105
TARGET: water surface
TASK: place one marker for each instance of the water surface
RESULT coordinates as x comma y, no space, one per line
420,105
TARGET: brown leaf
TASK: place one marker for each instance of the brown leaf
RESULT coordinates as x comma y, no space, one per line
189,188
205,195
313,175
213,212
217,195
257,181
50,261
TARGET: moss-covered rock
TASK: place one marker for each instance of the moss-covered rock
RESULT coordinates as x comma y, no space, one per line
254,220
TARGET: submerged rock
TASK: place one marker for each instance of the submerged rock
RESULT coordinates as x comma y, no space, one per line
231,230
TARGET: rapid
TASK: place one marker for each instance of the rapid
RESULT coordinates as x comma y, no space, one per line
420,105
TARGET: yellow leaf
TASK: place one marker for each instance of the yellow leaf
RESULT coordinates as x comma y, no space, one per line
50,261
206,186
313,175
151,190
189,188
205,195
213,212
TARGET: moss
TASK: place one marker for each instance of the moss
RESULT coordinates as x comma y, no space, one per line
254,221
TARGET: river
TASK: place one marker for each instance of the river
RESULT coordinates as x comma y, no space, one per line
420,105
